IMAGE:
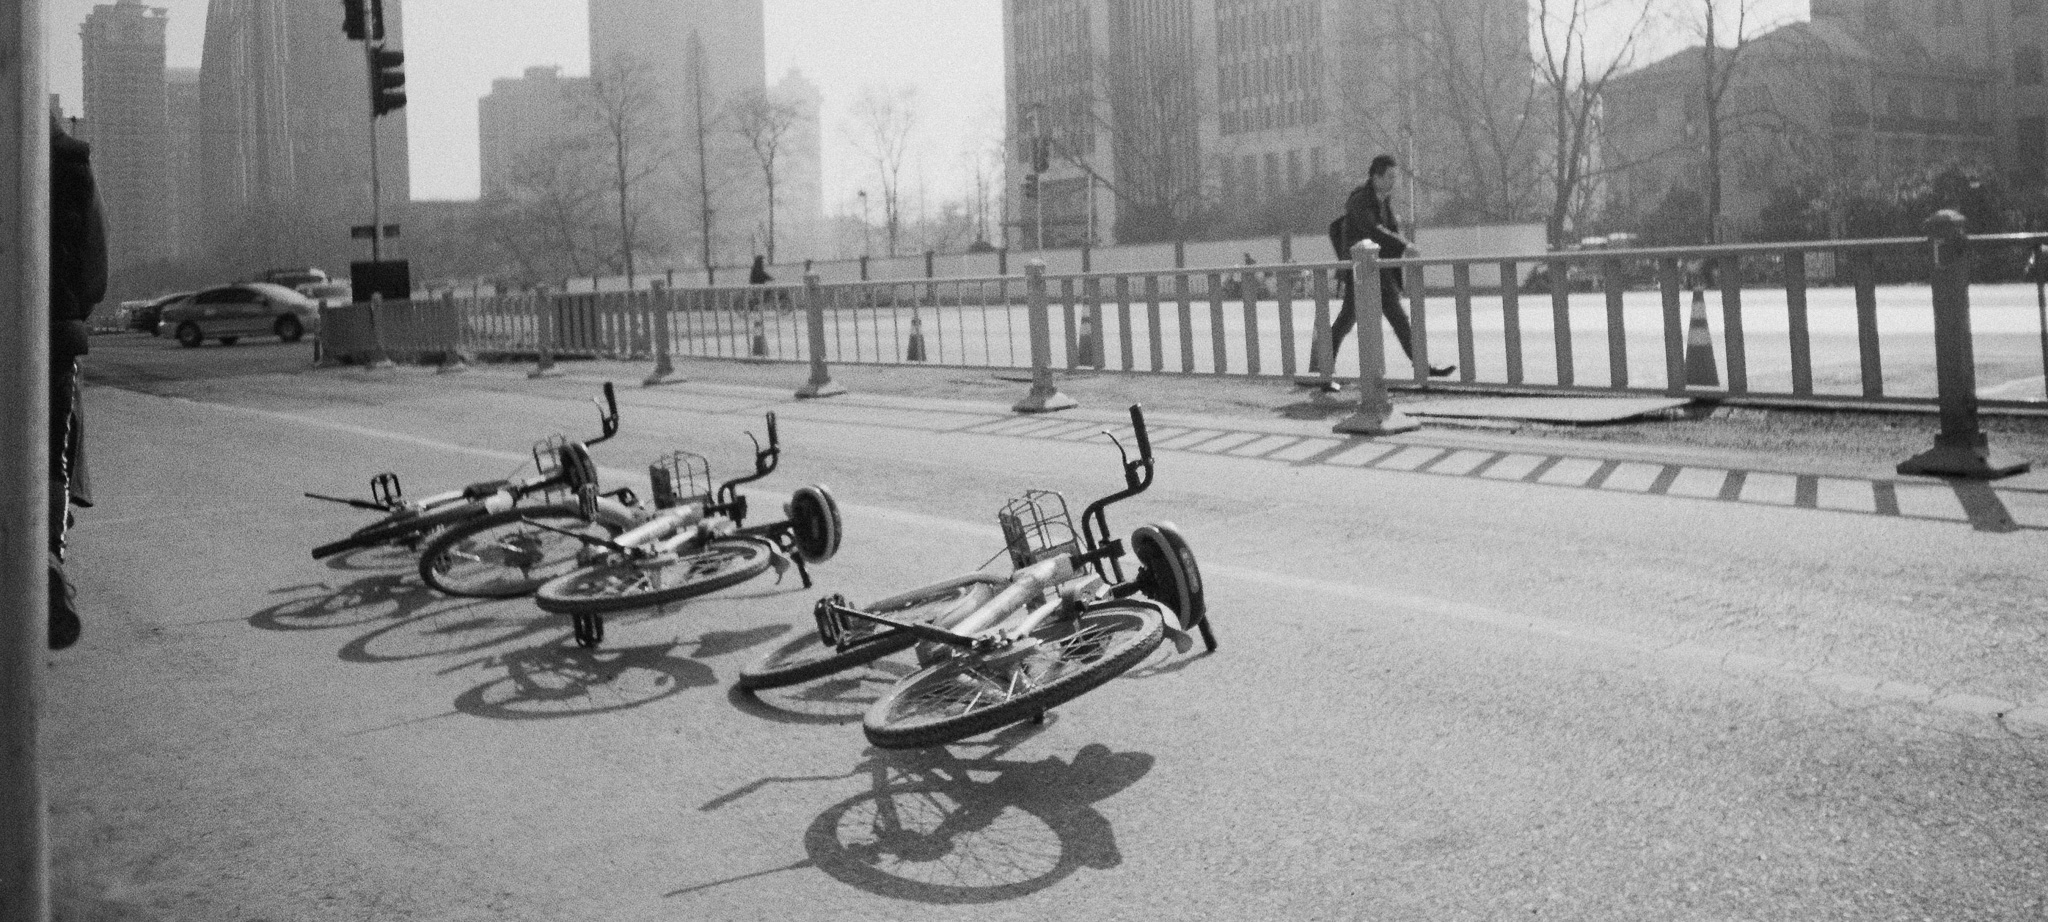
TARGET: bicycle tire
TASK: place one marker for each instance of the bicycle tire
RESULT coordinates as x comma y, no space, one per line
807,657
1169,574
501,556
395,528
626,585
814,522
973,693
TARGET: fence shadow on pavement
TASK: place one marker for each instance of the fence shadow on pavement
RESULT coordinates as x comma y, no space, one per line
935,827
1974,502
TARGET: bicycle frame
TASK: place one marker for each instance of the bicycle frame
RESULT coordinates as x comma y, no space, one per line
388,496
977,630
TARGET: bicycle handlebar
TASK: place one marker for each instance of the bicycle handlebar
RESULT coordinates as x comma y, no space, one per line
607,415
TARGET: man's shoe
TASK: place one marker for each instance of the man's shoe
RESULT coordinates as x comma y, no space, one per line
1443,371
64,624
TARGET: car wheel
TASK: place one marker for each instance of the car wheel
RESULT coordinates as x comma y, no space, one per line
189,335
289,329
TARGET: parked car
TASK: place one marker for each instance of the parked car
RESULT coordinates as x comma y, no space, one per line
328,294
144,319
231,312
293,278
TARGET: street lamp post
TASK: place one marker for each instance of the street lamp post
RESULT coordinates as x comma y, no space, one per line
865,248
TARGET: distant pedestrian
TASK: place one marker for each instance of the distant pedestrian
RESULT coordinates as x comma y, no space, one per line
1369,214
758,275
78,282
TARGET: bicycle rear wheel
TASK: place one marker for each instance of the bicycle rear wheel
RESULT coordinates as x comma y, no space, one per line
807,657
625,585
972,693
504,554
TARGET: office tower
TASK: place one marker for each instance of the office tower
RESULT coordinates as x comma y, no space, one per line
537,115
125,121
800,231
698,57
184,227
285,133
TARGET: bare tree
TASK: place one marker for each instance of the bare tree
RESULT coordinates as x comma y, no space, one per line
1473,96
624,101
547,219
1575,76
883,121
1737,22
1150,102
763,122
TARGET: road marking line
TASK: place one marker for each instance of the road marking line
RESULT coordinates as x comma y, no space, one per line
2008,712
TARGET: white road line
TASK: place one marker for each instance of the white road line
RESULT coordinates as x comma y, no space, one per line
2033,715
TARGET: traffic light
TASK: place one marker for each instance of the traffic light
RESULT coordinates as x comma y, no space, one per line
387,81
353,20
1031,185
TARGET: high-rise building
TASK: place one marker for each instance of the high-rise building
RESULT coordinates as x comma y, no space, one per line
1155,118
534,115
695,58
286,131
125,120
183,213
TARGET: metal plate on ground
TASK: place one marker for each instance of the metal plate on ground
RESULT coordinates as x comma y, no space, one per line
1573,410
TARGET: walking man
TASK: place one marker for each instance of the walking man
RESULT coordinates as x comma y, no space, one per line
1369,214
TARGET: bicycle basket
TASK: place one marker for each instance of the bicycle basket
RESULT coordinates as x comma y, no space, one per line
1037,526
679,477
547,460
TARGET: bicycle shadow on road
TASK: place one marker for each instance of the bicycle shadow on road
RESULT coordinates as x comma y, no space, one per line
836,699
938,828
563,679
370,599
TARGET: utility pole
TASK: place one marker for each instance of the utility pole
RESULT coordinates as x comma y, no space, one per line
24,472
703,163
363,21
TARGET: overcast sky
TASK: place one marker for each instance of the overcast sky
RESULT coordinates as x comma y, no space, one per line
949,50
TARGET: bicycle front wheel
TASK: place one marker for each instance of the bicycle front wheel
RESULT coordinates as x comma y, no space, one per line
504,554
807,657
972,693
629,584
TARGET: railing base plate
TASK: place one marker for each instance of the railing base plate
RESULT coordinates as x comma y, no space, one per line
1044,403
1972,462
1388,423
815,390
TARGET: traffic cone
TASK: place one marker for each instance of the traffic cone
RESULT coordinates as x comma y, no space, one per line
914,351
1701,367
1090,346
760,339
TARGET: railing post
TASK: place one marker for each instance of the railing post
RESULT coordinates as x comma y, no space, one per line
24,471
658,322
1960,449
1045,396
382,358
452,359
544,336
1376,414
820,384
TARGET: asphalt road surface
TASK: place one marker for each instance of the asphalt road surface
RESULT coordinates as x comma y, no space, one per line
1439,696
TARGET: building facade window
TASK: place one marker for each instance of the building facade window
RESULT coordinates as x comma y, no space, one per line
2026,65
2030,146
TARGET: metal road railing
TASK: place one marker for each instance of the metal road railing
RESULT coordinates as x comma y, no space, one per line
1791,322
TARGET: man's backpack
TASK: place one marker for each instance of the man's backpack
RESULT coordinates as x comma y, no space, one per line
78,233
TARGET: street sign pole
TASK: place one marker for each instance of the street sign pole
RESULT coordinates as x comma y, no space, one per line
24,471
